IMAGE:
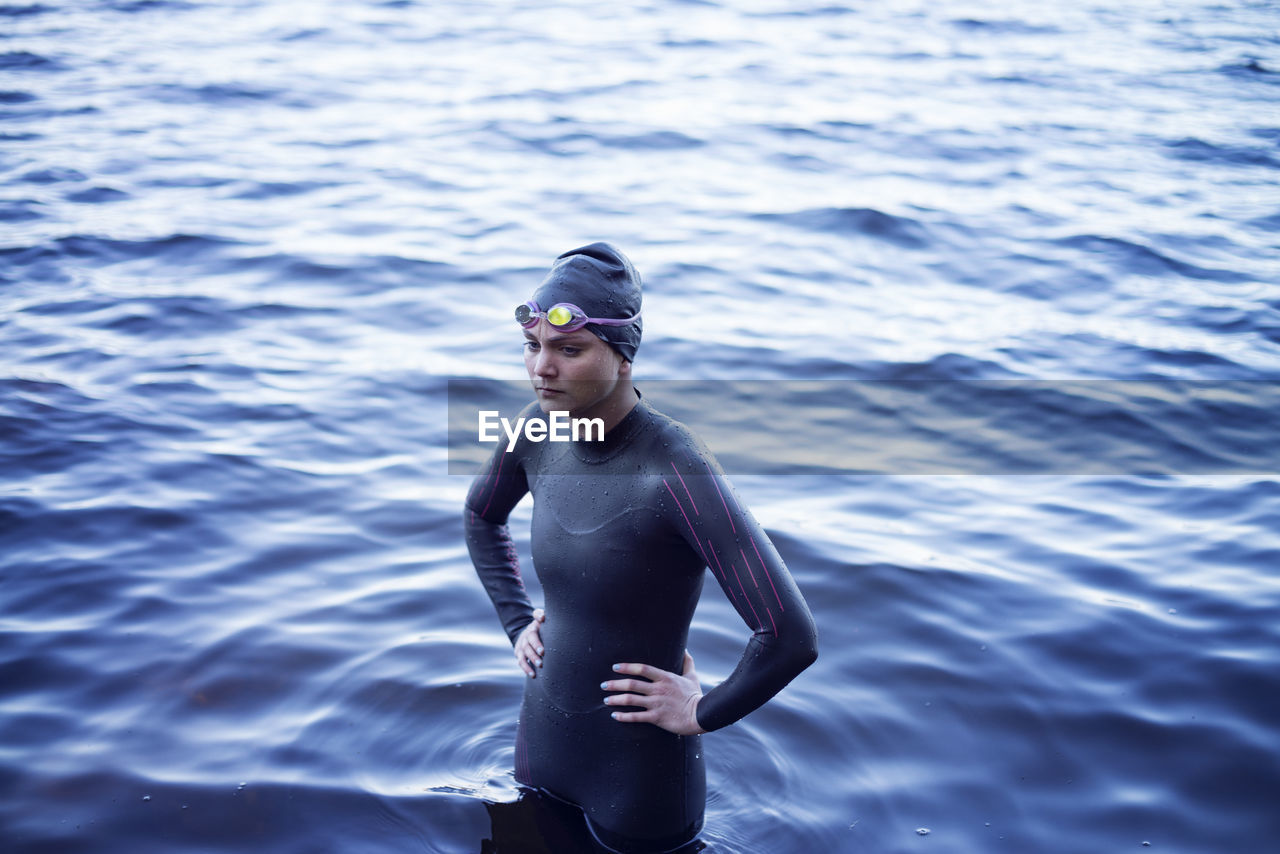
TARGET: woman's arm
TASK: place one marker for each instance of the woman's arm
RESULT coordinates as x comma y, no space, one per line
706,510
493,494
702,506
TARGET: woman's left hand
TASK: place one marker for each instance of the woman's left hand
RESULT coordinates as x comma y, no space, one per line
670,700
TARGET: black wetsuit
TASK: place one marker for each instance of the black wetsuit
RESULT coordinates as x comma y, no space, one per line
622,532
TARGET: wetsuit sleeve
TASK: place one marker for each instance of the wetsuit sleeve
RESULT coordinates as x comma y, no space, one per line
740,555
493,494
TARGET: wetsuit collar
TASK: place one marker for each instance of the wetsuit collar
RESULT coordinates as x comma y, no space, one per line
619,437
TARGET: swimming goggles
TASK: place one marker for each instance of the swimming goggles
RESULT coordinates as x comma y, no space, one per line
564,316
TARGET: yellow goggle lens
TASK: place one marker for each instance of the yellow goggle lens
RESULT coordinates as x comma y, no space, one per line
559,316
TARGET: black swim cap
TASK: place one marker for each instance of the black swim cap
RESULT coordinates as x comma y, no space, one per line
601,281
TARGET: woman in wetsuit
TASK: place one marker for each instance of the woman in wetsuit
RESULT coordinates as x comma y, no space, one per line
623,531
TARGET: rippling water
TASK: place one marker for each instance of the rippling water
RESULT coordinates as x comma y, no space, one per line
245,245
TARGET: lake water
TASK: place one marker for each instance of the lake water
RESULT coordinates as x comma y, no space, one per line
245,246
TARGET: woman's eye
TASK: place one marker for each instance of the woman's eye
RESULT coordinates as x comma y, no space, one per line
570,351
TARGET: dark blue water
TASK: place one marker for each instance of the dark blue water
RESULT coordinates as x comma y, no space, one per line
244,245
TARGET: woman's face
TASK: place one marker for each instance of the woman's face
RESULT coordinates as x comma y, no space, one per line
572,371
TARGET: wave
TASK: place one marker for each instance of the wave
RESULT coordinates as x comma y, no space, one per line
24,60
108,250
53,175
1198,150
276,189
98,195
211,93
1131,257
134,6
9,10
1004,26
21,210
1251,69
576,141
899,230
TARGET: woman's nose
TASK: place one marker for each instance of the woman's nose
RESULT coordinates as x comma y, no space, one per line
543,364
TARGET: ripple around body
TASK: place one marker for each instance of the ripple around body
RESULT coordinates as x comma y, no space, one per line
245,250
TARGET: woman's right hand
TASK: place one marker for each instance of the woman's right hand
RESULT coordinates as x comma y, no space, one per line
529,645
